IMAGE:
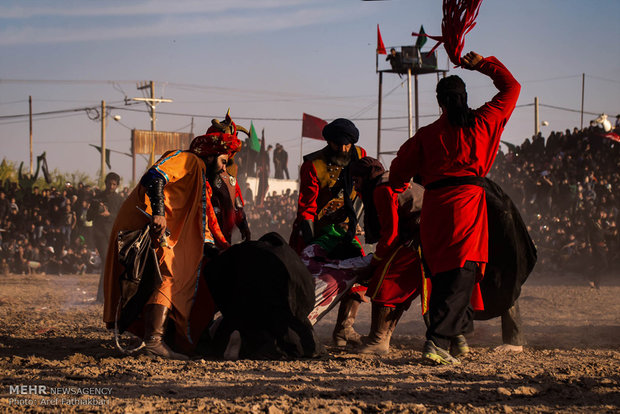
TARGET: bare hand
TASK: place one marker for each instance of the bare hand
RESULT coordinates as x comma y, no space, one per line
470,60
159,224
104,212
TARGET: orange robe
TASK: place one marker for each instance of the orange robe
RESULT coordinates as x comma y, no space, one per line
191,222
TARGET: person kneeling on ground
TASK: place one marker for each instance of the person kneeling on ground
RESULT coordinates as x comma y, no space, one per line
396,267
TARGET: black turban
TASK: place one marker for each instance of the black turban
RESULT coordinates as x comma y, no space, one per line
368,168
341,131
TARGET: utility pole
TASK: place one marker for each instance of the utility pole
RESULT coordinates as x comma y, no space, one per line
583,88
102,175
30,120
417,112
409,115
151,103
536,122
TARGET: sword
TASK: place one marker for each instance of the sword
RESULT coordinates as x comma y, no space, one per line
163,242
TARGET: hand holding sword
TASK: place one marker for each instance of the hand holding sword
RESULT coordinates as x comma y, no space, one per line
160,230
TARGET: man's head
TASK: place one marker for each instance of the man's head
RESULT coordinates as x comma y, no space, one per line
215,164
218,145
111,182
452,97
365,170
341,134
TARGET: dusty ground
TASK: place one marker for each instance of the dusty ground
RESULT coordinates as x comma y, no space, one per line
51,335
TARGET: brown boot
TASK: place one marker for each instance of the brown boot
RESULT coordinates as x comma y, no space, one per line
154,322
382,325
343,331
397,312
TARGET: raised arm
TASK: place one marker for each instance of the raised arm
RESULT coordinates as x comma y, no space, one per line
503,103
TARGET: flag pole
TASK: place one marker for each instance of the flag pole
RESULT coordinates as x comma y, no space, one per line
301,155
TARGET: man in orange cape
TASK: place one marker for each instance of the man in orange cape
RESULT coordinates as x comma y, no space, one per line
176,193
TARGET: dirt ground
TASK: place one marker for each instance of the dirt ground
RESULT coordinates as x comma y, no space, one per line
52,340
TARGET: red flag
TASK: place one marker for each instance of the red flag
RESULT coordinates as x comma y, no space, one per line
312,127
611,135
380,45
459,17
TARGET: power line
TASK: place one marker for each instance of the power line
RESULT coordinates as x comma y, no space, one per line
603,79
41,119
124,108
570,110
14,102
59,111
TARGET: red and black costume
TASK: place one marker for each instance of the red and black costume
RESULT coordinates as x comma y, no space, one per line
326,197
226,198
397,276
323,192
453,228
228,205
397,269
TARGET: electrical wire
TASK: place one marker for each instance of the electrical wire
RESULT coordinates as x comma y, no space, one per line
40,119
602,79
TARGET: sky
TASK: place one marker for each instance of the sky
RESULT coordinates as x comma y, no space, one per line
270,61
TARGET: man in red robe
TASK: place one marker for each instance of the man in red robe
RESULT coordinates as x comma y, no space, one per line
451,156
326,197
396,266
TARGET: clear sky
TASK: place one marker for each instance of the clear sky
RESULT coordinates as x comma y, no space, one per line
272,60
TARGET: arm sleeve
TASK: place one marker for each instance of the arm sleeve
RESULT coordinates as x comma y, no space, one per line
406,164
492,116
213,226
308,191
503,103
238,195
386,202
154,183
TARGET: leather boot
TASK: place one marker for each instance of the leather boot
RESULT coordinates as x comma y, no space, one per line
154,320
343,331
395,316
381,327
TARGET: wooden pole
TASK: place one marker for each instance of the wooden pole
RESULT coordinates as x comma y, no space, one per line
30,120
583,88
152,105
301,156
380,101
102,174
133,157
409,117
536,122
417,115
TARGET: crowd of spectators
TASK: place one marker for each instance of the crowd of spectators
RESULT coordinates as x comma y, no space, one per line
47,230
566,188
277,214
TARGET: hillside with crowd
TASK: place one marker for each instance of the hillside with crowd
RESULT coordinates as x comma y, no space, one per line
565,186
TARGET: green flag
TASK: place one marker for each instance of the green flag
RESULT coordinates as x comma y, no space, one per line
421,39
254,143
